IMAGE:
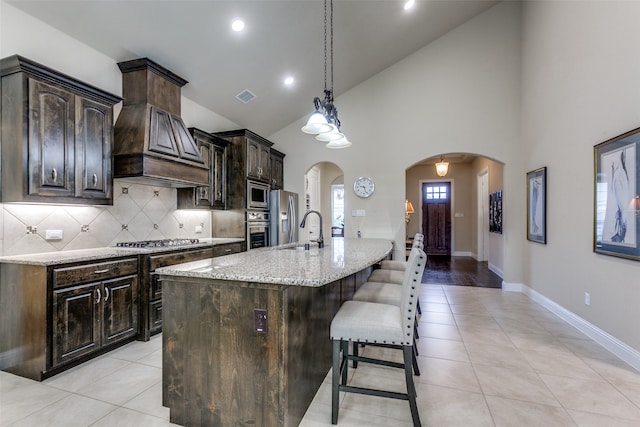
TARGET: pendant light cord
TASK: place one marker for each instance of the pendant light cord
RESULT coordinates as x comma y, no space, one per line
331,34
325,45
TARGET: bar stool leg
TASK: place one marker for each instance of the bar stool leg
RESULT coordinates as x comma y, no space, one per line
335,378
344,365
407,351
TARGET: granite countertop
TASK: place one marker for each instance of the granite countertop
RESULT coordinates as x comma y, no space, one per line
96,254
289,264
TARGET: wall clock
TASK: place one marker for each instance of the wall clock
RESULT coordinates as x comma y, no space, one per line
363,186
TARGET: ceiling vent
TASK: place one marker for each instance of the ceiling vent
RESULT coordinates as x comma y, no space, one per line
246,96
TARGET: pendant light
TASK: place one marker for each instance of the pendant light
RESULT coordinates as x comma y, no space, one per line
324,121
442,167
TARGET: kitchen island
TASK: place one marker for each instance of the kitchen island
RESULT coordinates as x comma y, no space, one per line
246,336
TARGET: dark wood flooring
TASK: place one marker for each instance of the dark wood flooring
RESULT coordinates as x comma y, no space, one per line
461,271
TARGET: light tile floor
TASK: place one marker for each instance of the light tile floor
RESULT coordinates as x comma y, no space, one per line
488,358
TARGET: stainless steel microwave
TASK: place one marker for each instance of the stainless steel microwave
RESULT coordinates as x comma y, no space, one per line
257,195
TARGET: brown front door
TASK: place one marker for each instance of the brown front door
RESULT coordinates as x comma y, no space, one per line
436,217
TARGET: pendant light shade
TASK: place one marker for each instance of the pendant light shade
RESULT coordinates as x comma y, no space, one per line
317,124
339,143
442,167
333,135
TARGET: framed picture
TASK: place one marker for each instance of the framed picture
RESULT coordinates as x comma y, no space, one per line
537,205
616,202
495,212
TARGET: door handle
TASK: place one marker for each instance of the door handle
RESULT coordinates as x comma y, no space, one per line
97,295
106,294
54,174
94,179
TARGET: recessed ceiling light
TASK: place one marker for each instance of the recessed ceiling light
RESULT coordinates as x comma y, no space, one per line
237,25
409,4
289,80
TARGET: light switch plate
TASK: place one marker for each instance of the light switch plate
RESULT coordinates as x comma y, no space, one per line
53,235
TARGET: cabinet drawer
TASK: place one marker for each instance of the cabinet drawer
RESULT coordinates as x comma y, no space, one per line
157,261
94,272
228,249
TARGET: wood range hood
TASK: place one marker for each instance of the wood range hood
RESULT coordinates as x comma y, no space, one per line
151,142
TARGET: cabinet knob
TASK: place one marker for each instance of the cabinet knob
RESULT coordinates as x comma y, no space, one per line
54,174
94,179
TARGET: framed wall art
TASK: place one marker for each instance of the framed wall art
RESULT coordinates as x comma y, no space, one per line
537,205
616,201
495,212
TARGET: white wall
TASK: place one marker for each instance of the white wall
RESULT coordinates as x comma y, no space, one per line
581,71
458,94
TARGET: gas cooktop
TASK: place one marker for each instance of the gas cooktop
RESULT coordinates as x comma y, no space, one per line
157,243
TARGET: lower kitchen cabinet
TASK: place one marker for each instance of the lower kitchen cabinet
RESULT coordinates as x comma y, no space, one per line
54,317
151,286
90,316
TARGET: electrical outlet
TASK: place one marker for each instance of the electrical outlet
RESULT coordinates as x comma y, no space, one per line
587,298
53,235
260,320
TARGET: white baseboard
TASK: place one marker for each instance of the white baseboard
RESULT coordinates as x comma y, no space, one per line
611,343
496,270
461,253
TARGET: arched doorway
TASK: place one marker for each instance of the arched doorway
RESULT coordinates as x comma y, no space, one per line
450,210
324,192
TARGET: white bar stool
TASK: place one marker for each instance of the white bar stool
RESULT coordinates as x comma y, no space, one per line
375,323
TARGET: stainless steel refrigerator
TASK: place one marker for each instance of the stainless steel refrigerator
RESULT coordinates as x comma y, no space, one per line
283,206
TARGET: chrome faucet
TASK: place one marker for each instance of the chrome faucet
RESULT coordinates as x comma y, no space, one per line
320,240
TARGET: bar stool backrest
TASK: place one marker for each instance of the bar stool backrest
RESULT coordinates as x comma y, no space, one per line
410,291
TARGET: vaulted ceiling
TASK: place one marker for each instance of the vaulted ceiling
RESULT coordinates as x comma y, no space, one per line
281,38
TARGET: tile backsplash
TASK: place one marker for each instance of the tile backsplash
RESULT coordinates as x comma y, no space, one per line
139,212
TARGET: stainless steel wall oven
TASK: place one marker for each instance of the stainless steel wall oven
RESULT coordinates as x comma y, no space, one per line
258,229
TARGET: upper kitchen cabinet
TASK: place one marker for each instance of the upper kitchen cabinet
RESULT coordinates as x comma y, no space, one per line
57,136
258,161
211,196
248,157
251,154
277,169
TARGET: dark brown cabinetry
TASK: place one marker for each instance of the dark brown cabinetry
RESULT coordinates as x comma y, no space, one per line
277,170
57,136
258,160
151,287
89,316
58,316
248,157
212,196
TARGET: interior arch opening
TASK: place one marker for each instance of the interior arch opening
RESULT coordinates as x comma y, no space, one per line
459,210
323,192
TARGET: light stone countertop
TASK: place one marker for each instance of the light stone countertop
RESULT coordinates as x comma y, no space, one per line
97,254
288,264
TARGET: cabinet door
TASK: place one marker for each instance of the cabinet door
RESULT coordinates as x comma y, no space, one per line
120,301
94,140
51,140
218,180
253,159
265,164
76,311
277,172
203,194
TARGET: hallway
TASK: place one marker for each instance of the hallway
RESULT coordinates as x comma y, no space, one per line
461,271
